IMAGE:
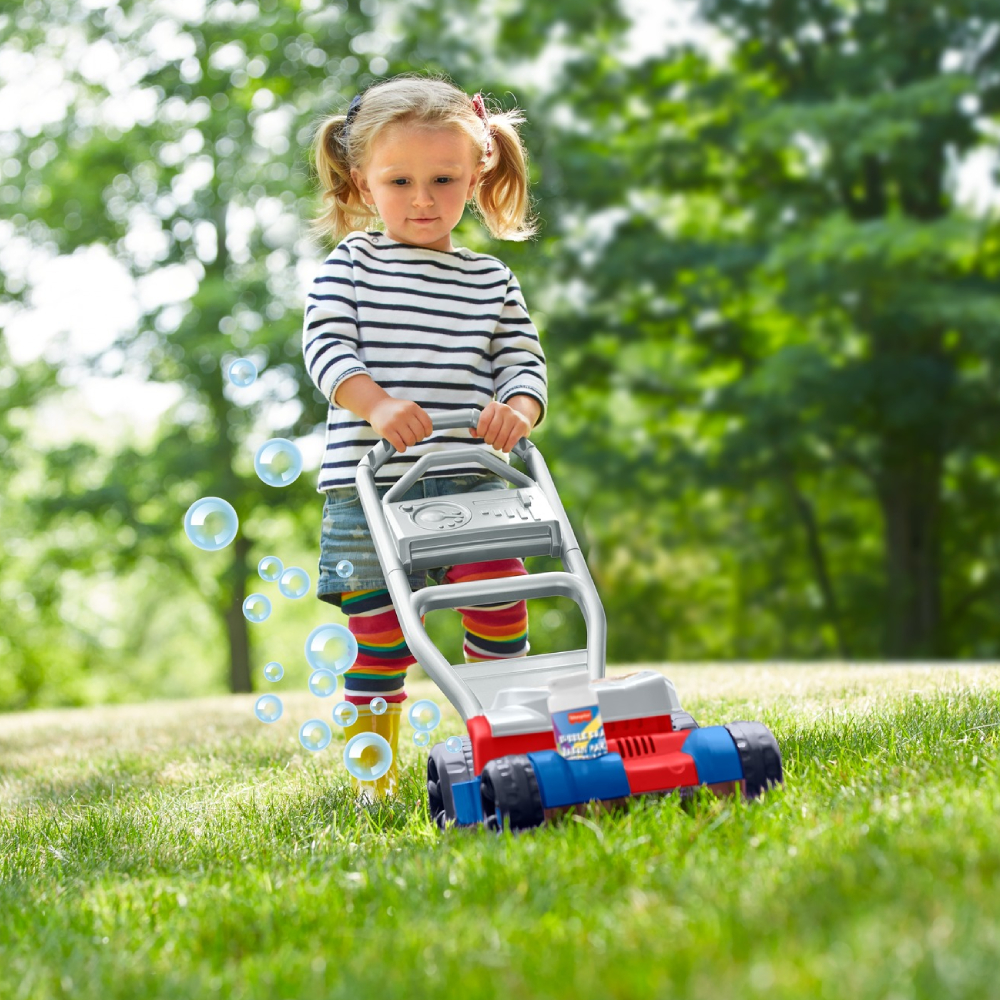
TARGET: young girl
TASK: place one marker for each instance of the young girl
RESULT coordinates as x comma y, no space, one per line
399,322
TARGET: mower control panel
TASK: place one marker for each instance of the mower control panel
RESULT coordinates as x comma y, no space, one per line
473,527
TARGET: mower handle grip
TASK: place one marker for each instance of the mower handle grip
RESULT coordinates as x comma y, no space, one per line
441,421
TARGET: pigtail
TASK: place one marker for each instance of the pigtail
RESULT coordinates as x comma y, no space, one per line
345,209
501,198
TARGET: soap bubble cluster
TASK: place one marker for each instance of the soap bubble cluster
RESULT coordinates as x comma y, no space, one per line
211,523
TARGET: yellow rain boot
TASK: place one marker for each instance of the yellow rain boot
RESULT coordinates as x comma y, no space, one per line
387,726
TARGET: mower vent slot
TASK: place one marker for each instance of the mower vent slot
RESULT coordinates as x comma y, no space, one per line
635,746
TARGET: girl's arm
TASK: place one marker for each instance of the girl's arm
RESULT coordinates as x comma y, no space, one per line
518,359
359,394
528,406
400,421
330,345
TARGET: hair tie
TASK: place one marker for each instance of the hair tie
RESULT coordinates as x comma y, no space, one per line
351,114
480,108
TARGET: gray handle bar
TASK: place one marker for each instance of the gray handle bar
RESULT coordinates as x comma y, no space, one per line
383,451
443,421
576,584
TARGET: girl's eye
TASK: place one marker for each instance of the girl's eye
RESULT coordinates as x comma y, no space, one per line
402,180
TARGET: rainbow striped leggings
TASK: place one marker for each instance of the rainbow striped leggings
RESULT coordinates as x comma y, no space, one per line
492,632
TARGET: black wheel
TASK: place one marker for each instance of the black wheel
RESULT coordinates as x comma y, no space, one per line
510,795
445,769
759,755
682,720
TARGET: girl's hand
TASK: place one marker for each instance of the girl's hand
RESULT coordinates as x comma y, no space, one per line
400,421
501,426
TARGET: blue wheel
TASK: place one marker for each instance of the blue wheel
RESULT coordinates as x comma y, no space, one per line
445,769
759,756
510,794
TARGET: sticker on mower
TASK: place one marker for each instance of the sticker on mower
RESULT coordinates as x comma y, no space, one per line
579,733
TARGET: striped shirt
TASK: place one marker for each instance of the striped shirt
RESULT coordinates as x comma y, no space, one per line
446,329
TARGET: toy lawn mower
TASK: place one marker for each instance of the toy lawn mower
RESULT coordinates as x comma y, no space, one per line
508,772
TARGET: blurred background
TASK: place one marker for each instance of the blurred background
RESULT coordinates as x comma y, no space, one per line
767,283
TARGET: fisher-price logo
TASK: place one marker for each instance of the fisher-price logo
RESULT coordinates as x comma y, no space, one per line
583,716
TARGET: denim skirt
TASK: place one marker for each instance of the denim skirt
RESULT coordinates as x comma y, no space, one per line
345,534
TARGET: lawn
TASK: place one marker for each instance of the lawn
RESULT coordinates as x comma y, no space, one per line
183,849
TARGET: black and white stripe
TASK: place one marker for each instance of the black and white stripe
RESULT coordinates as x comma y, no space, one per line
447,329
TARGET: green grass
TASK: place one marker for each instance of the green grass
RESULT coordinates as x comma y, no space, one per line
182,849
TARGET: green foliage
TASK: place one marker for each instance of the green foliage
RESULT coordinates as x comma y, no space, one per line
771,330
809,301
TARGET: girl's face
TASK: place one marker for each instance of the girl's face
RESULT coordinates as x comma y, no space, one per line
419,180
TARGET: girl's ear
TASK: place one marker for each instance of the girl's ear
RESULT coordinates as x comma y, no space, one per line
475,180
362,185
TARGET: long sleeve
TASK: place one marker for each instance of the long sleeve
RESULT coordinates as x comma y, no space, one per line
330,339
516,353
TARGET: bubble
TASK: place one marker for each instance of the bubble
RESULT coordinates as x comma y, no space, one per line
345,713
270,568
454,744
278,462
367,756
345,568
267,708
256,608
322,683
331,647
211,523
378,706
424,715
315,734
274,671
294,582
242,372
421,738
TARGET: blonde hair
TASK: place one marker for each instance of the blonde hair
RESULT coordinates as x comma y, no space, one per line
501,198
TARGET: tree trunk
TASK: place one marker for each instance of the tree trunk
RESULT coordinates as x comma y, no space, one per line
236,623
817,559
910,499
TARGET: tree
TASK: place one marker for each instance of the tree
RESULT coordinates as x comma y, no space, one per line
197,164
220,147
796,304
